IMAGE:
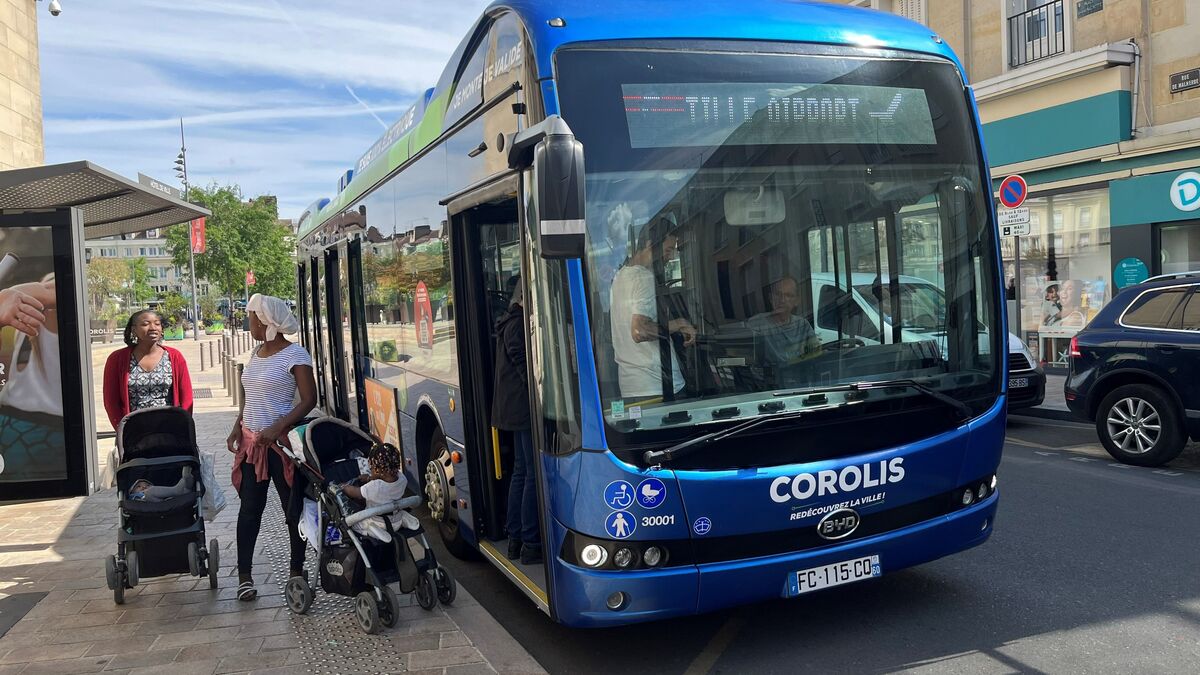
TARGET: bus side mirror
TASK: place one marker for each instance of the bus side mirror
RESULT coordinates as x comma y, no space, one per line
557,161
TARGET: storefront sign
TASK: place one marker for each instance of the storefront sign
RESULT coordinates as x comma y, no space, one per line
1130,271
1086,7
1188,79
1185,191
1155,198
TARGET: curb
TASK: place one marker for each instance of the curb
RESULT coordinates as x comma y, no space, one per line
492,640
1046,414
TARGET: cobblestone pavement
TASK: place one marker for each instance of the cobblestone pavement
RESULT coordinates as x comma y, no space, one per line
55,549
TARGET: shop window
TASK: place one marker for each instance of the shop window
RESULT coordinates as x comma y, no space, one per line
1180,248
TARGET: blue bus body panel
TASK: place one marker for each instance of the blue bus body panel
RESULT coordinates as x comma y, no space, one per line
785,20
739,502
579,594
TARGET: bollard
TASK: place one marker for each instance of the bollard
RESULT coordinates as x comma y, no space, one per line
202,368
241,396
211,351
224,373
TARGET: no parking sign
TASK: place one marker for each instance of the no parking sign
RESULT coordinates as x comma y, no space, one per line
1013,191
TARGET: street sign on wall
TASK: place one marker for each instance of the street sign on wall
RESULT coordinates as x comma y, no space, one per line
1188,79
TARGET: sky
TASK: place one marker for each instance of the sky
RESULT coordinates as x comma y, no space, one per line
277,96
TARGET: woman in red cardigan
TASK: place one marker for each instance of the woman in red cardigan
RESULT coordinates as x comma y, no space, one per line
145,374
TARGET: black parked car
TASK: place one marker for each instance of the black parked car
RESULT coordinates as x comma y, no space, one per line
1135,370
1026,379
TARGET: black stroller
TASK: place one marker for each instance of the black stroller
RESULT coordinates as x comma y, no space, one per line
327,453
159,537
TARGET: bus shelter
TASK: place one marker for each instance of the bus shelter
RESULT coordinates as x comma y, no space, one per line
47,411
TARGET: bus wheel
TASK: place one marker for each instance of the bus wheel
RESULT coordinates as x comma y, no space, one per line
439,494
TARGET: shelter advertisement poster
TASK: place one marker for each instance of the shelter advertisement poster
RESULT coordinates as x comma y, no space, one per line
381,411
32,439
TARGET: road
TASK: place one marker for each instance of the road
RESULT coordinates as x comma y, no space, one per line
1092,568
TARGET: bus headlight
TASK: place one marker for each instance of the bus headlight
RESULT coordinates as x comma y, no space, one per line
623,558
981,491
653,556
968,497
593,555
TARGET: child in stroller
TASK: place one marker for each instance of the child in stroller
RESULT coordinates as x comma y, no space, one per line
159,499
361,551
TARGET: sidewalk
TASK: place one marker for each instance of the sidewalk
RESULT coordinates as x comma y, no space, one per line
52,567
1055,405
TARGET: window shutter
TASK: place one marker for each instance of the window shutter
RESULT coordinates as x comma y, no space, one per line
911,9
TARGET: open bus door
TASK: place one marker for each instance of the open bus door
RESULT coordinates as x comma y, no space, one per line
488,251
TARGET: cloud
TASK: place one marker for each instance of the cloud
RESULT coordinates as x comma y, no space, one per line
269,90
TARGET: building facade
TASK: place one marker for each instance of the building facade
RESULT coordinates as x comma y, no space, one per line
20,86
151,245
1096,103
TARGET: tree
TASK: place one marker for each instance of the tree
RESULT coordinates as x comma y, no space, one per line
241,236
106,278
139,289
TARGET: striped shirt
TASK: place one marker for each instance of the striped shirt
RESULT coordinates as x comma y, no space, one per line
270,386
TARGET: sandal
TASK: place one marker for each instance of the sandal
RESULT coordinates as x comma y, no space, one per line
246,591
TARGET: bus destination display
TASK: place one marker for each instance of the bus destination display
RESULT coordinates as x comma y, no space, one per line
734,113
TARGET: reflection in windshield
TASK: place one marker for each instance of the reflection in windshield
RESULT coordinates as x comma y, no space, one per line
723,277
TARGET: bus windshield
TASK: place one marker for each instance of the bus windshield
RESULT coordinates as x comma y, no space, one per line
764,224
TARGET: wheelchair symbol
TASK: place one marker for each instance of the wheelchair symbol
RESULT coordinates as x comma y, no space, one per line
618,495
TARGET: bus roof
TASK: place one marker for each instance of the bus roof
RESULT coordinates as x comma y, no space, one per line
591,21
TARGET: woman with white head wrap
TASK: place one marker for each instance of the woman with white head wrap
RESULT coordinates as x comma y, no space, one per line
280,391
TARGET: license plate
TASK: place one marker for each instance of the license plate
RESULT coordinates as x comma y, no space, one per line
1018,382
834,574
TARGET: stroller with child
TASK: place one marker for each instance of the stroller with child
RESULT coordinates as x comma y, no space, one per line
160,501
360,551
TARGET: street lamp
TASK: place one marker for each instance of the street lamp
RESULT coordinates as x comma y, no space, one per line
181,174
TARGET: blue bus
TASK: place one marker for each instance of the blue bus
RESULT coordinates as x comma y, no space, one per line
765,351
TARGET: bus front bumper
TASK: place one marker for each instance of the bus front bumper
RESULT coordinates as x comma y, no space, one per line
581,594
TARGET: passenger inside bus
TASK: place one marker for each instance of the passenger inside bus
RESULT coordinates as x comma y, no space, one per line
637,338
510,412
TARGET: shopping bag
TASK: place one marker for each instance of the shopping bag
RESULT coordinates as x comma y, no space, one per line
310,525
214,494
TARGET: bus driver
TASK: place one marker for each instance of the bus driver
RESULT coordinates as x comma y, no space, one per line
634,312
780,336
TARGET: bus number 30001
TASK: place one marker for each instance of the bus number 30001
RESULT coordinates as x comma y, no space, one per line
652,521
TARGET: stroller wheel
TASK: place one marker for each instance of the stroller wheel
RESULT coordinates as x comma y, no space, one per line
389,611
366,611
131,569
447,587
110,572
299,595
214,563
427,595
194,558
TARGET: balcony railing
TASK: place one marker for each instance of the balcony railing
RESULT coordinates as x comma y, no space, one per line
1036,34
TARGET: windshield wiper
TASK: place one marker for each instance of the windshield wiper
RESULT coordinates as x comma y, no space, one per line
691,445
962,408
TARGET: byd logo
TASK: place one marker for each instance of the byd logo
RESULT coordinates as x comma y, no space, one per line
1185,191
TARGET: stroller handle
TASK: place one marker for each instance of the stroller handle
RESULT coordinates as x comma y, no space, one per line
398,505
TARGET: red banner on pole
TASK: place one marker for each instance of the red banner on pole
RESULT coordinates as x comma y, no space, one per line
199,245
250,278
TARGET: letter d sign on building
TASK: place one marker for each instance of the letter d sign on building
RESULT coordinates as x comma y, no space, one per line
1185,191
